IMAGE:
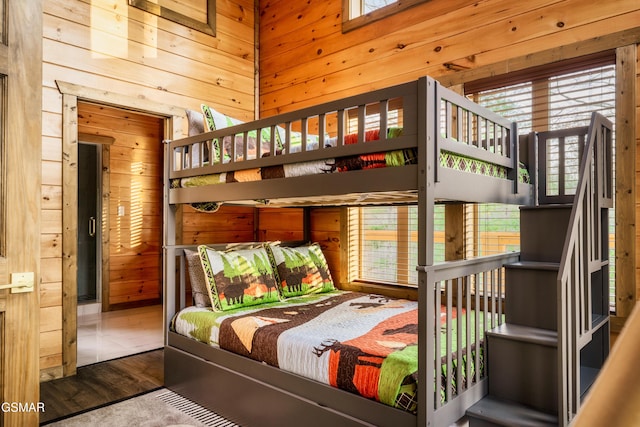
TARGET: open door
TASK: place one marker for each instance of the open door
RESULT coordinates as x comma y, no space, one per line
20,188
89,221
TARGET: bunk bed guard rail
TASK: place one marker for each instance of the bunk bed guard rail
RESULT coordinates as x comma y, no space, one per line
429,117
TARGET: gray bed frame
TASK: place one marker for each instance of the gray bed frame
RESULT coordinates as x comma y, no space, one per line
434,119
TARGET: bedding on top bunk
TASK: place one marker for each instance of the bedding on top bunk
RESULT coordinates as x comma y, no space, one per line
288,314
214,120
344,164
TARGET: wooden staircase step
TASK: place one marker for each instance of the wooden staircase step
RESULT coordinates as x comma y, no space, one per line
542,232
527,334
535,265
522,363
530,291
497,412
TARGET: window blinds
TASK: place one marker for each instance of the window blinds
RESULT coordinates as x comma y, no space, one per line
383,240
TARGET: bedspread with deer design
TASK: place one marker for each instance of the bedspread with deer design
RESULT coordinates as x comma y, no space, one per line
363,343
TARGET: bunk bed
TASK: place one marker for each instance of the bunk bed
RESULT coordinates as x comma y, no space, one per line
416,143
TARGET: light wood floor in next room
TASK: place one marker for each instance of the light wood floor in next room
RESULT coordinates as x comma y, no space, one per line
113,334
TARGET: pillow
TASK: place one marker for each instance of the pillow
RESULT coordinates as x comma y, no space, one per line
238,278
198,282
213,120
196,122
200,149
300,270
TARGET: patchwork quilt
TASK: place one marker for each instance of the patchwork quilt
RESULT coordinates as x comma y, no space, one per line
363,343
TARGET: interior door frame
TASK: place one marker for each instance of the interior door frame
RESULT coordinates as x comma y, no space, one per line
71,95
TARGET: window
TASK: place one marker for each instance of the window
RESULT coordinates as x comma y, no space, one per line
363,7
491,229
556,98
384,243
383,240
356,13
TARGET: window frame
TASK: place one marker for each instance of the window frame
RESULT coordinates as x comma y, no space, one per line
540,79
349,24
208,27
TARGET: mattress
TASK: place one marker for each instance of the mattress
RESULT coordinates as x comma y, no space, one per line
362,343
393,158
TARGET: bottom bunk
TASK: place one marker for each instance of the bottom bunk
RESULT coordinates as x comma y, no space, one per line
250,393
333,357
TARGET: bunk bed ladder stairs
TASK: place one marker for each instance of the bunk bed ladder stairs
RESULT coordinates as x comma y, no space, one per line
523,350
523,353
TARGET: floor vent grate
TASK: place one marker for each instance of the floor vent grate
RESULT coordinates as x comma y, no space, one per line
194,410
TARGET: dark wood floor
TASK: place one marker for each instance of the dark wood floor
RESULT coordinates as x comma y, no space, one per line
102,384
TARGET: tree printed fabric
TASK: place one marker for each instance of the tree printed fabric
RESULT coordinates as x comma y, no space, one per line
300,270
366,344
238,278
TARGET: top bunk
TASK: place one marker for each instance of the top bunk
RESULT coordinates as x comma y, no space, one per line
388,146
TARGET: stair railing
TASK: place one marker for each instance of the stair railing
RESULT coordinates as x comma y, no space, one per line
559,154
584,252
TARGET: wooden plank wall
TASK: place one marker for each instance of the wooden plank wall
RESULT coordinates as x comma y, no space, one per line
636,127
280,224
227,225
110,46
305,59
325,229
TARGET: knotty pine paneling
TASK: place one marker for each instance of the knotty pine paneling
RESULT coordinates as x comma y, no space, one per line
284,224
132,52
229,224
637,205
51,197
51,294
50,318
51,246
51,270
50,349
325,229
305,58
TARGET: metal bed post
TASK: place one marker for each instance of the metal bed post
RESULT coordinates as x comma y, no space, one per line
168,247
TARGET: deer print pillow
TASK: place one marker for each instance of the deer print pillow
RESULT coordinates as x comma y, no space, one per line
238,278
300,270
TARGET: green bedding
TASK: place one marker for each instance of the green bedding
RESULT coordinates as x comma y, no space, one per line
363,343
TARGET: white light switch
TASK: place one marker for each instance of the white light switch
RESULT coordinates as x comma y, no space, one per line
120,210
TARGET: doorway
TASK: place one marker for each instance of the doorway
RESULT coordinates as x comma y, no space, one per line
91,113
89,229
119,232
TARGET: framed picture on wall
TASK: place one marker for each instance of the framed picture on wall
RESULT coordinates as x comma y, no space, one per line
199,15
